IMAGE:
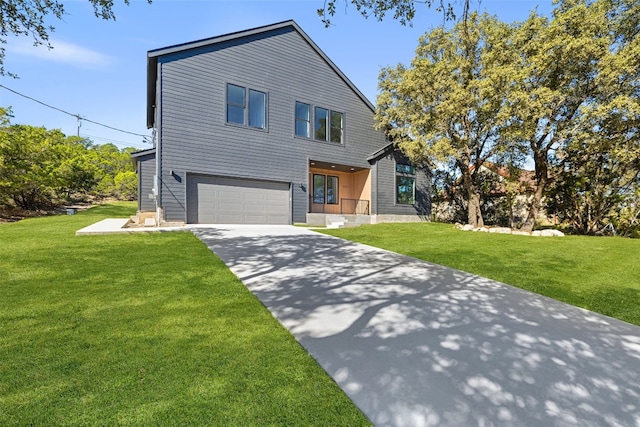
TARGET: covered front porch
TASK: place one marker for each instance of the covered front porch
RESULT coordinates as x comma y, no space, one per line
339,189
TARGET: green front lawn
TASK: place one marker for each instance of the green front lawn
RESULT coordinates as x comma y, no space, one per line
598,273
144,329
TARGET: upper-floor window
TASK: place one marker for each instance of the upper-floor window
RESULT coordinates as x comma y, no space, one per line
328,125
336,127
321,122
405,184
246,106
303,119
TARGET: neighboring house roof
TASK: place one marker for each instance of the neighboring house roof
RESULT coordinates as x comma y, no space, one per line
526,178
153,55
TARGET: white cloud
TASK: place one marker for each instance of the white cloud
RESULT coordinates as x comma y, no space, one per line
62,52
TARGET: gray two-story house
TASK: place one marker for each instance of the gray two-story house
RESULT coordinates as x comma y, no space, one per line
259,126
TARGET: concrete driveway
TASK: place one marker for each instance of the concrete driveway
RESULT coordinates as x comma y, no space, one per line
417,344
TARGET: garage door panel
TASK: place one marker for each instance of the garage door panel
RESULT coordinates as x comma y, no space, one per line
219,200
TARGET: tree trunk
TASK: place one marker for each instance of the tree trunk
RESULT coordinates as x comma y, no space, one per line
474,212
542,179
510,202
534,208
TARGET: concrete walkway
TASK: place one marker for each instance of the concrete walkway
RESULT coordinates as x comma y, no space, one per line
116,226
417,344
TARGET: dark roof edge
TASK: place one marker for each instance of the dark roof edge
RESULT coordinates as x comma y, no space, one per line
143,152
216,39
152,60
380,153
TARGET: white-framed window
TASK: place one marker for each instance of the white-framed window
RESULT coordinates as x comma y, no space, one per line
246,107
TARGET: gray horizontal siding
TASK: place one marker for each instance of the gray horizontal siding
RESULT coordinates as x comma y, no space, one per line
386,188
196,139
146,172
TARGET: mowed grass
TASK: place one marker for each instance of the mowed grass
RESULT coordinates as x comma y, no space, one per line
144,329
597,273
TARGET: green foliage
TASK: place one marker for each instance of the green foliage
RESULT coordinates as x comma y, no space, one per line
448,106
402,10
625,220
597,273
501,190
126,185
30,18
575,93
562,90
29,159
127,330
111,162
40,168
595,183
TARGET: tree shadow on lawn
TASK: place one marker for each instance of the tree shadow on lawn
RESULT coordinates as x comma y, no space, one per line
413,343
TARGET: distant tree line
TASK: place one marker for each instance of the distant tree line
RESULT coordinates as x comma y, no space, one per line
42,169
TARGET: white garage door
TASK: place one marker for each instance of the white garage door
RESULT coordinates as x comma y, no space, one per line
219,200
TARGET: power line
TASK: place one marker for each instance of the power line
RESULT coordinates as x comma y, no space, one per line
76,116
102,139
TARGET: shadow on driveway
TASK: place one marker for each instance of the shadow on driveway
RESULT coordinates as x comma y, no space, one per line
417,344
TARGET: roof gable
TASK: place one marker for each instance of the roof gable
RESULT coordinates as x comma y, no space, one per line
153,55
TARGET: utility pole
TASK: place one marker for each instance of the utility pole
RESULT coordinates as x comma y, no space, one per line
79,123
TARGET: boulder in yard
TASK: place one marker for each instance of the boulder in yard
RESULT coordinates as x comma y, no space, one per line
501,230
551,233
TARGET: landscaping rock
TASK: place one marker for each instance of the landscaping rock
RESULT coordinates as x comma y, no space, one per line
507,230
501,230
551,233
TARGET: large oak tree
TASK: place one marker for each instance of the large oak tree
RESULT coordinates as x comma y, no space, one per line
449,104
574,74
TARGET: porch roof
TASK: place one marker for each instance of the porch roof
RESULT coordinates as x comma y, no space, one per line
335,166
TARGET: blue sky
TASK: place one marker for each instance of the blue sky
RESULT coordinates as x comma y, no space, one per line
97,68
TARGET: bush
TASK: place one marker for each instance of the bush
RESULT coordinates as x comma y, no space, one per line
126,185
